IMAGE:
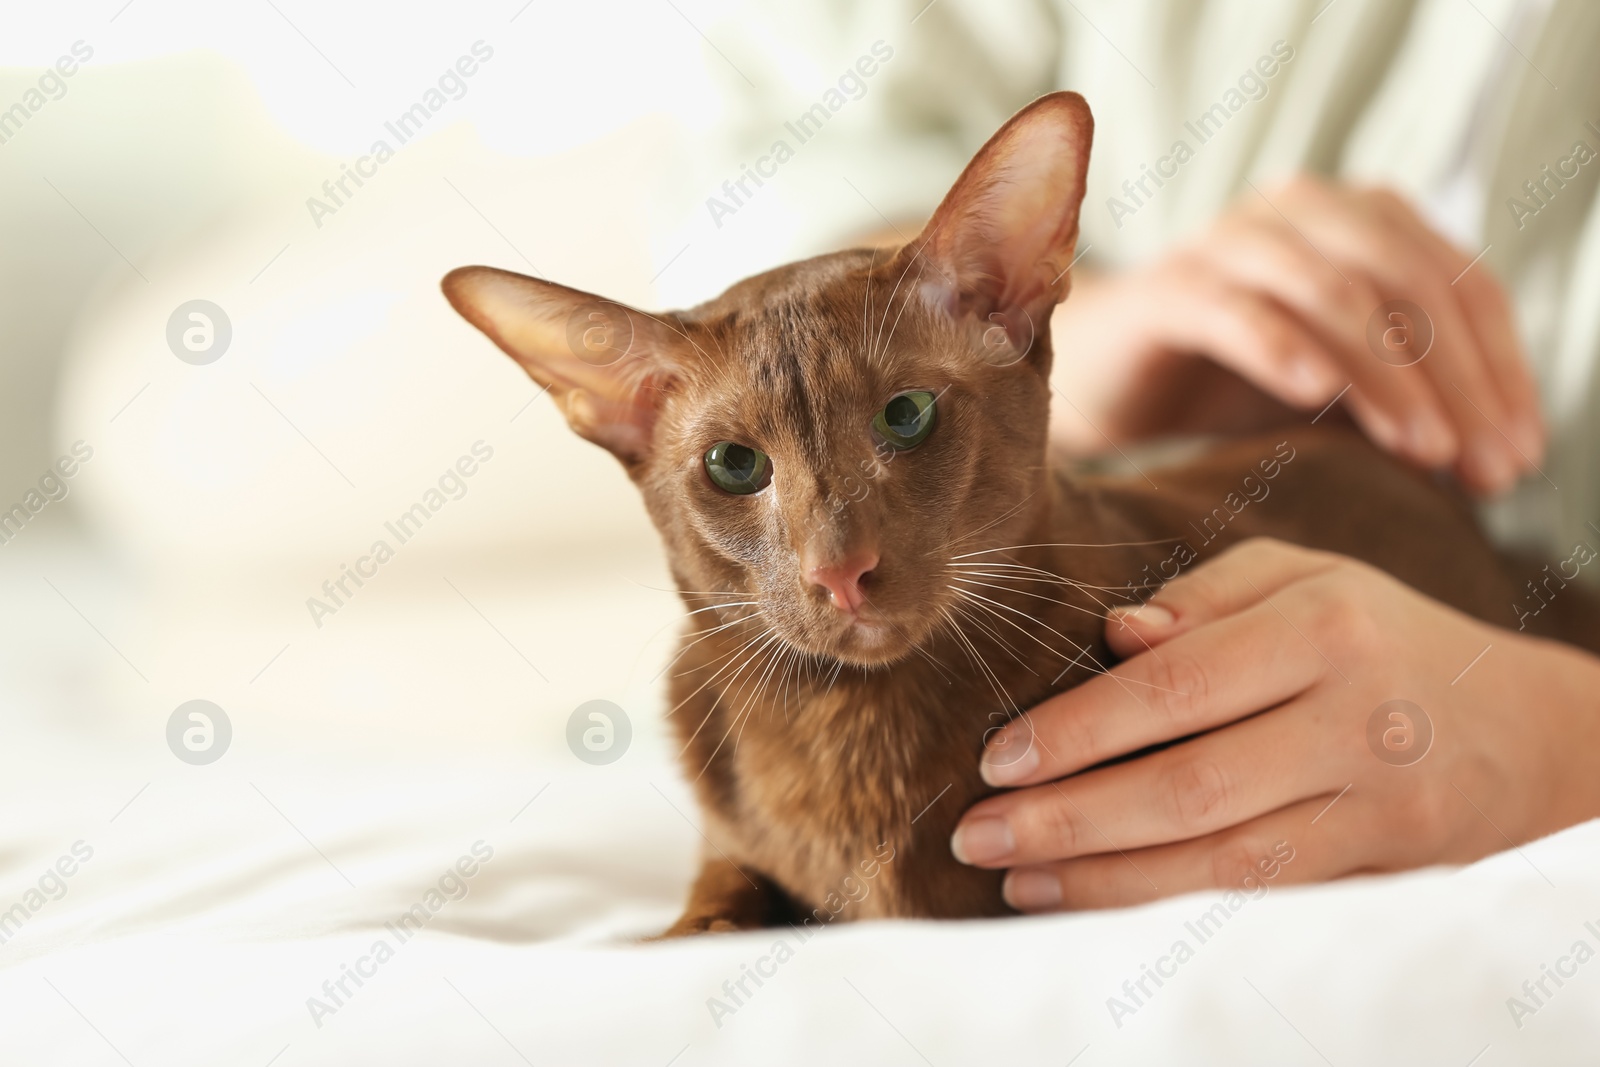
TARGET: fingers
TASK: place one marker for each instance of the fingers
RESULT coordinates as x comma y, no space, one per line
1301,843
1283,290
1487,313
1454,367
1225,653
1214,675
1237,578
1200,310
1294,291
1374,235
1401,412
1202,786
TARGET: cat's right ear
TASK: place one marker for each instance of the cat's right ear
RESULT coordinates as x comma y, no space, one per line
1001,244
605,364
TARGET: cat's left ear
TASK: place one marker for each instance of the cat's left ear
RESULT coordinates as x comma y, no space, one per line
605,364
999,247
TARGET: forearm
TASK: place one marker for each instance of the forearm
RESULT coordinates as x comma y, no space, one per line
1560,708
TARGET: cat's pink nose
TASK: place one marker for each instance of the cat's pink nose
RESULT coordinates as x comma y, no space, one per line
843,579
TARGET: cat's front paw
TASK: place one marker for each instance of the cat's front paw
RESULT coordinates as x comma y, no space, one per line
689,925
724,899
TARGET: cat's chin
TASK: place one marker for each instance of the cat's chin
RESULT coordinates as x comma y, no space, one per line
870,643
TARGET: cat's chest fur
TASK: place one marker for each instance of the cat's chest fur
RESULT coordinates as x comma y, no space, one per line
845,788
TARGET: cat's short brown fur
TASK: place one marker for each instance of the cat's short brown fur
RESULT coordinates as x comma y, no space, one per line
833,750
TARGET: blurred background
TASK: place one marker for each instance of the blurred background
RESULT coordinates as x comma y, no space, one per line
227,372
176,164
228,153
194,153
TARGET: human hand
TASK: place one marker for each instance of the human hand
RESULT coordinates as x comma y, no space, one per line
1280,290
1266,666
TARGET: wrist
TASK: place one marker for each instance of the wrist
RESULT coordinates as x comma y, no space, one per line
1563,709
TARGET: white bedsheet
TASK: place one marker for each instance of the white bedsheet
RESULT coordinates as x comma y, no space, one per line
218,900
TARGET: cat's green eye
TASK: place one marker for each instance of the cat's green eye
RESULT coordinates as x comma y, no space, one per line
907,420
738,469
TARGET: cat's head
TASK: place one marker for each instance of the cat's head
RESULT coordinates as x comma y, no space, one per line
821,441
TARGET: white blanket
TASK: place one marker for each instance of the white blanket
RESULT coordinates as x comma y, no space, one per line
220,909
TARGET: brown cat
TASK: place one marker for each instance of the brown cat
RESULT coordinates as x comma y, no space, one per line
846,459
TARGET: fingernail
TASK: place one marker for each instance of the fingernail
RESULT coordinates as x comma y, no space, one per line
1309,378
1009,759
1384,430
1530,437
1149,616
1032,890
1431,440
983,840
1489,459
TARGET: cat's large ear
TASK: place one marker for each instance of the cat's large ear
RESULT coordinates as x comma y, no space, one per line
999,247
604,363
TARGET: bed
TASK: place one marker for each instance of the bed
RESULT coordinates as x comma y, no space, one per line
399,861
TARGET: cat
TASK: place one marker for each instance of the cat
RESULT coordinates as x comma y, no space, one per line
846,459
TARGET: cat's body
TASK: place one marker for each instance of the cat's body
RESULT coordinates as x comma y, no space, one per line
832,775
846,459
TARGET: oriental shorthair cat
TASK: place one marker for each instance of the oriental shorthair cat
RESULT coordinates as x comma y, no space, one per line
846,459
